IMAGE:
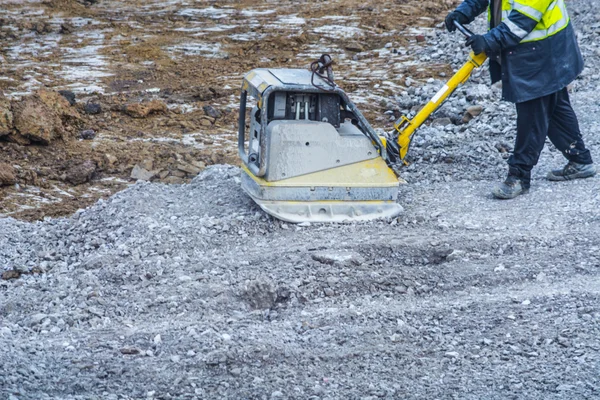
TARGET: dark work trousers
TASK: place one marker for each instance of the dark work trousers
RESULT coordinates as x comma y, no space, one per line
550,116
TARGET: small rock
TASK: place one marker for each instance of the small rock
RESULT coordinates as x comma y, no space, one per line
212,112
329,292
110,159
563,387
440,255
260,294
354,46
157,339
37,319
453,354
203,93
67,94
7,175
130,351
6,116
12,274
420,38
341,257
175,358
173,180
143,110
215,358
455,255
42,27
87,134
141,174
541,277
95,311
441,122
503,147
236,371
400,289
189,168
471,113
92,108
80,172
147,164
500,268
66,28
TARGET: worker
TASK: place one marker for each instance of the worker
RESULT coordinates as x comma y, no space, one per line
534,52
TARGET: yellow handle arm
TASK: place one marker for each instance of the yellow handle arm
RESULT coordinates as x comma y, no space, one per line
406,128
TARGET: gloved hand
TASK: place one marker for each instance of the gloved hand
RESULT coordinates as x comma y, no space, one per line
455,16
478,44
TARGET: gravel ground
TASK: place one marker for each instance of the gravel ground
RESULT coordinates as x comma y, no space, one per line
185,292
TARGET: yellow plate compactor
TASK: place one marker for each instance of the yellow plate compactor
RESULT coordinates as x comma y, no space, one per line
309,155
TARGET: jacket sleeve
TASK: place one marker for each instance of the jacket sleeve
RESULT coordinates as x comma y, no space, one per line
520,22
472,8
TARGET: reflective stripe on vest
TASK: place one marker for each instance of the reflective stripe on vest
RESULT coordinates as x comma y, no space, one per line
553,20
526,10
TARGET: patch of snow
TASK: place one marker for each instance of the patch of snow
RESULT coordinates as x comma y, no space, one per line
339,31
209,50
253,13
290,20
209,12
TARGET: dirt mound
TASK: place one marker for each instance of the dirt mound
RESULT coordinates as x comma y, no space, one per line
41,118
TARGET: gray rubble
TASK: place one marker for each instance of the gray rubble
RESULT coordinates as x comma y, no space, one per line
191,292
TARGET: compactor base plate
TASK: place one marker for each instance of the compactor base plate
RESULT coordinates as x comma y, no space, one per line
362,191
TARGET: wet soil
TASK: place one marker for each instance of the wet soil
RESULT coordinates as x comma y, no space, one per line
189,57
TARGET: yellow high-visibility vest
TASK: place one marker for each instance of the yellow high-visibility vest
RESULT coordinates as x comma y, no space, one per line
551,16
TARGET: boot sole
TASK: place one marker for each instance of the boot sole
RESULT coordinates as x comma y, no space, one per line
505,196
579,175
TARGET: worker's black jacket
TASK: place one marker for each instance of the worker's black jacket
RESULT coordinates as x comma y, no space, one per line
528,70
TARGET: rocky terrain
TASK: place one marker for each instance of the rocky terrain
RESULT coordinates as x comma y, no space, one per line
189,291
155,83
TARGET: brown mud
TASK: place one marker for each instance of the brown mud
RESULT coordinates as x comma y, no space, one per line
155,84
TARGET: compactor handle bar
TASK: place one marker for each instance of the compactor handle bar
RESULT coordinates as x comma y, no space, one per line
405,127
462,29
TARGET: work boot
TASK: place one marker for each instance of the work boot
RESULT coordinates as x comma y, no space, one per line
571,171
517,182
510,188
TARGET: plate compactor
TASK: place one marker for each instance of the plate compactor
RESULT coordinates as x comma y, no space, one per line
309,155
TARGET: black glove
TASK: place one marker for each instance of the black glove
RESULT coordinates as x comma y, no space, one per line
455,16
478,44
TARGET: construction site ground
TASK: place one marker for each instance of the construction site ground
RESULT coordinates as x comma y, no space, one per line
185,55
177,286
